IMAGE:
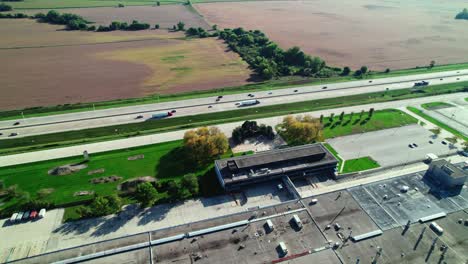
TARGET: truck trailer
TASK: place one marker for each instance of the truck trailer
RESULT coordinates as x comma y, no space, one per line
249,102
161,115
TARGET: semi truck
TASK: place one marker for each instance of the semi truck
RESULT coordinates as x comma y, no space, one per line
161,115
249,102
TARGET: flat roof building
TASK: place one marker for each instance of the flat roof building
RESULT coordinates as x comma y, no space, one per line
300,161
446,173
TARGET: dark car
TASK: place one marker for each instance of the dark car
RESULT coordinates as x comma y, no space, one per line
410,145
173,111
16,123
139,117
250,95
13,134
370,81
431,142
1,134
415,145
219,97
325,87
296,91
441,79
444,143
210,106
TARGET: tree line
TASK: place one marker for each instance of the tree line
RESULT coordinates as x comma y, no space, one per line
267,59
5,7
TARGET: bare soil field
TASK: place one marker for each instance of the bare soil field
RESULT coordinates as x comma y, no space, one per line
166,15
378,33
43,65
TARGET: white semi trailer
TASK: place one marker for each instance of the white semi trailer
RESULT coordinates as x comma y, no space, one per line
249,102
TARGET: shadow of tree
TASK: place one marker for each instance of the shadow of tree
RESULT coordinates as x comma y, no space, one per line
174,163
155,213
114,223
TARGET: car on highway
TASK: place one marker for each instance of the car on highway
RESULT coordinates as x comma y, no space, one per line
1,134
173,111
13,134
431,142
251,95
421,83
296,91
443,142
441,79
370,81
270,92
410,145
325,87
16,123
210,106
139,117
415,145
219,97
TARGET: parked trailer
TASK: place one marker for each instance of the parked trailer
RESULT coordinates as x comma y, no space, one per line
161,115
436,228
249,102
269,225
297,221
283,248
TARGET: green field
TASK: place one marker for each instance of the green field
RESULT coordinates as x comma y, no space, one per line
435,105
359,164
437,122
380,120
262,86
17,145
163,161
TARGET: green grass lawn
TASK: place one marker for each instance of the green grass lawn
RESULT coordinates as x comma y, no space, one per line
284,82
359,164
335,153
380,120
437,123
435,105
17,145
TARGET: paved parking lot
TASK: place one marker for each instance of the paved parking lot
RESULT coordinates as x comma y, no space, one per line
389,147
455,117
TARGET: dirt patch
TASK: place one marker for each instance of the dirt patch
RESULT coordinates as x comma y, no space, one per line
67,169
136,157
107,179
131,184
378,33
83,193
122,64
96,171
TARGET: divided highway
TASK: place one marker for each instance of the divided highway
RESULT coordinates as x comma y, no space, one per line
123,115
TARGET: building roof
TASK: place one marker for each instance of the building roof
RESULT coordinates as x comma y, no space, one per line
274,162
450,169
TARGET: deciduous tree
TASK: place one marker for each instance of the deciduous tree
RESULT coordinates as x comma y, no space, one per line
204,144
146,194
301,129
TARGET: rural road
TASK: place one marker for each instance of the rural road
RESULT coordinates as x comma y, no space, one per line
177,135
123,115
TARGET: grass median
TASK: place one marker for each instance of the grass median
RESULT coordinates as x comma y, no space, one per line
262,86
359,164
436,105
18,145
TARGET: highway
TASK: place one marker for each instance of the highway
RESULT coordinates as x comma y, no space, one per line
225,128
123,115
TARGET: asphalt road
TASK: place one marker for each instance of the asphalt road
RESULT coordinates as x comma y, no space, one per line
123,115
226,128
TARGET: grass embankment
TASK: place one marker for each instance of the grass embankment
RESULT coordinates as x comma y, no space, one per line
359,164
268,85
164,161
435,105
437,122
61,139
335,153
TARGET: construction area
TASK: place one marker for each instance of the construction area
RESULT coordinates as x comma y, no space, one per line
408,219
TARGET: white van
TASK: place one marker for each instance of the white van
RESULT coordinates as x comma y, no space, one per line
42,213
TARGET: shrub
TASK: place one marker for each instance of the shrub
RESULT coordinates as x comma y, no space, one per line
5,7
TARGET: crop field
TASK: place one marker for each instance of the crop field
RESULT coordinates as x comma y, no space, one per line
44,65
166,16
38,4
377,33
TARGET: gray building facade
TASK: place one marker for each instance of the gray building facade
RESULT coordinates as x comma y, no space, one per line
300,161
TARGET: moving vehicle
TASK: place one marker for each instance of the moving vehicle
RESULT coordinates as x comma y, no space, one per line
431,156
421,83
13,134
139,117
219,97
249,102
296,91
325,87
173,111
16,123
161,115
443,142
